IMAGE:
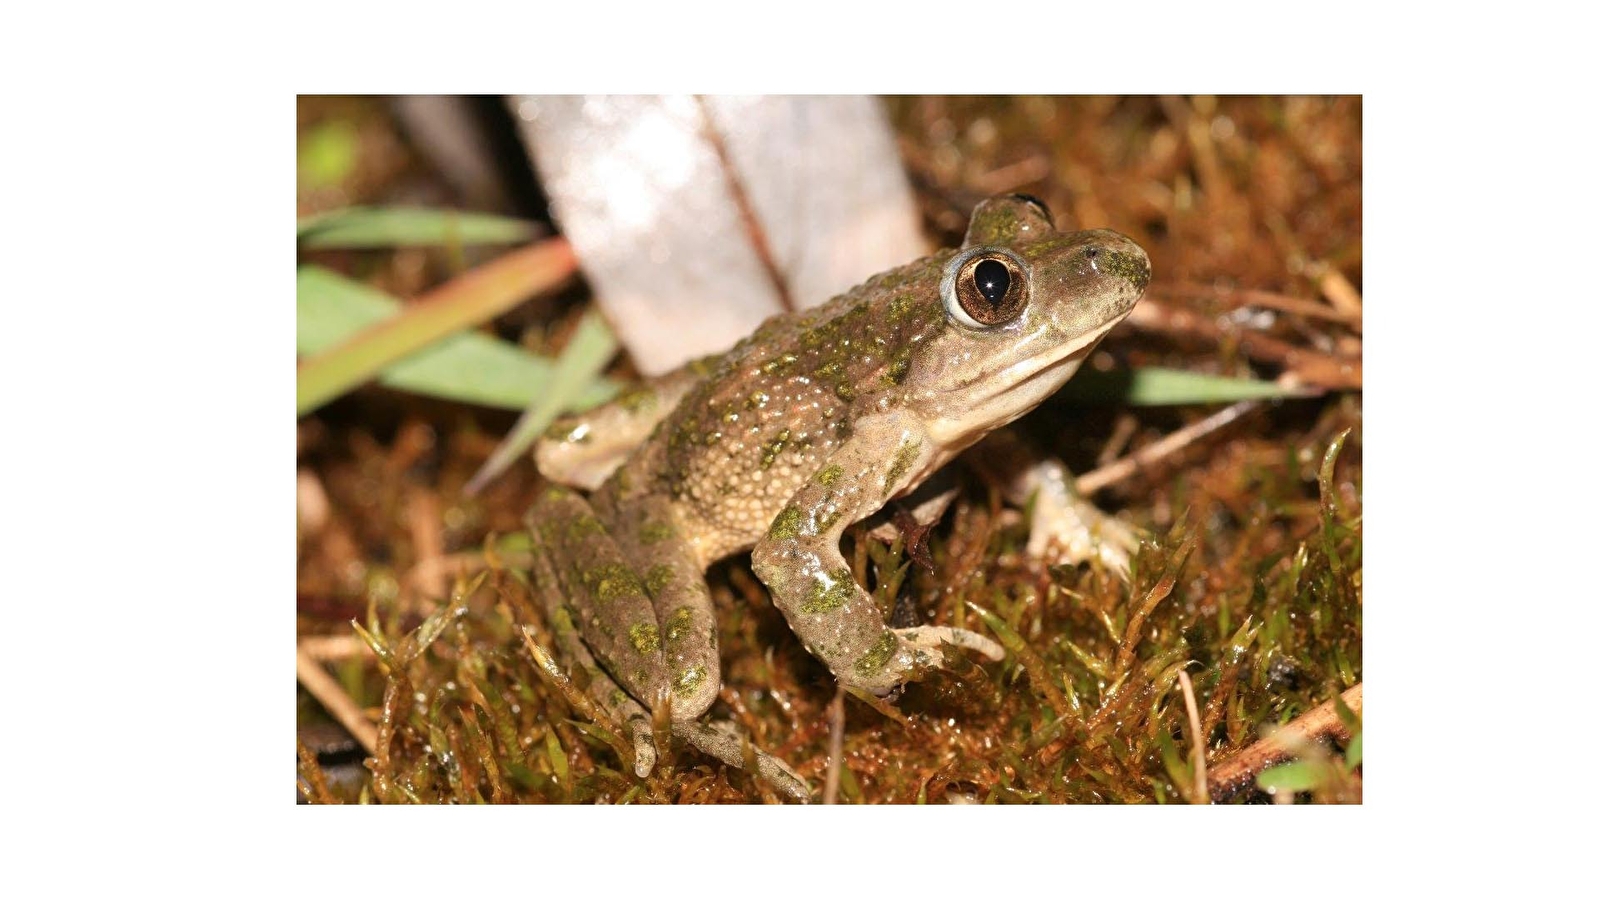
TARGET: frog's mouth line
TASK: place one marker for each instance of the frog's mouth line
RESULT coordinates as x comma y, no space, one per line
1020,387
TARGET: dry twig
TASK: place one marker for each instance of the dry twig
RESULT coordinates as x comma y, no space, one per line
1123,468
333,698
835,747
1196,737
1239,772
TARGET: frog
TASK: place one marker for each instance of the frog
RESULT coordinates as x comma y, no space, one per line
812,423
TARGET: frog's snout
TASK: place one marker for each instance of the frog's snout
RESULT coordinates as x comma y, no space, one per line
1123,265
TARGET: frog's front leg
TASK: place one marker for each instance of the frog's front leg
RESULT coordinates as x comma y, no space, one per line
800,562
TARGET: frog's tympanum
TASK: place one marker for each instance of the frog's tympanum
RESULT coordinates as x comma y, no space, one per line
810,424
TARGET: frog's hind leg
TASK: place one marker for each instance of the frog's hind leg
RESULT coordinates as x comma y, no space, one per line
647,533
582,450
593,600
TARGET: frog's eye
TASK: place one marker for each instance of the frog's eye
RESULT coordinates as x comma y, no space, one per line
984,287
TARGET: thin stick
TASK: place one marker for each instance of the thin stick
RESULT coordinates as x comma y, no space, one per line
1239,772
1201,787
1123,468
333,698
1310,366
1253,297
835,747
426,524
326,648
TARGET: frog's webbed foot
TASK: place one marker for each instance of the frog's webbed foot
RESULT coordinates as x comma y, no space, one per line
1064,524
721,741
1069,526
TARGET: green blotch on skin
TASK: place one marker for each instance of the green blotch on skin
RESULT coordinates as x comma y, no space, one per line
999,226
1126,265
901,464
901,308
826,521
844,390
773,447
788,524
689,680
637,399
830,474
678,624
584,526
607,583
562,620
898,368
618,697
644,638
873,660
705,365
549,531
779,365
756,399
825,597
658,577
654,532
568,431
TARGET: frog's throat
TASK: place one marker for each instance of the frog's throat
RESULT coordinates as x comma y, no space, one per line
1015,390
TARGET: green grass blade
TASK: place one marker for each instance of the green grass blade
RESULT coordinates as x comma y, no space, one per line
465,301
1300,775
396,226
466,367
580,363
1167,387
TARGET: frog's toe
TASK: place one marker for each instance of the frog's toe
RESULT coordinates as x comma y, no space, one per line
722,741
929,638
1074,531
644,755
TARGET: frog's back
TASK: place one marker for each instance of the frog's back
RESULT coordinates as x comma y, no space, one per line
776,406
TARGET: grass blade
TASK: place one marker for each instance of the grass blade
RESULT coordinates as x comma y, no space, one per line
463,302
358,227
468,367
580,363
1167,387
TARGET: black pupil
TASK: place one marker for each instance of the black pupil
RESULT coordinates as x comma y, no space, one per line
993,280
